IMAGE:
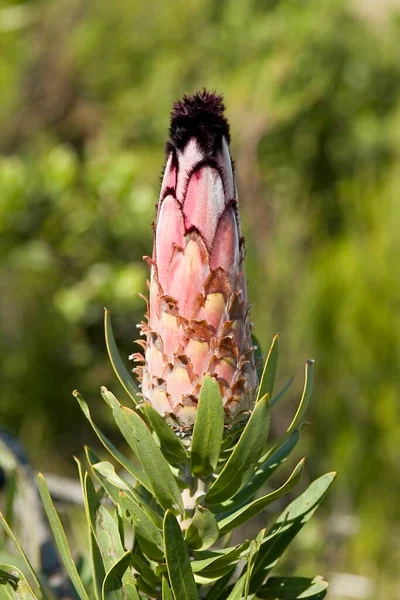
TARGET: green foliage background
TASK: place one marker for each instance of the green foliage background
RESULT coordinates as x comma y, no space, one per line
312,90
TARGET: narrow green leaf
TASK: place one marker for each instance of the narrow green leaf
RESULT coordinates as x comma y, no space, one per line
305,399
148,580
106,469
238,588
119,583
171,446
178,564
98,572
104,528
45,594
249,511
208,428
203,530
146,532
9,493
140,496
267,381
16,586
60,538
210,563
244,458
258,356
260,476
219,589
166,590
293,588
107,486
136,473
120,369
303,405
287,526
247,571
139,438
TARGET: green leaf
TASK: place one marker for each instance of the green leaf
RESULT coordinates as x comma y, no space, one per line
249,511
287,526
244,458
258,356
254,548
136,473
293,588
139,438
267,381
142,497
166,590
119,583
297,419
98,572
147,580
238,588
172,448
203,530
146,532
104,528
305,399
178,564
31,570
8,493
208,429
120,369
218,590
261,475
108,487
16,586
106,469
212,563
60,538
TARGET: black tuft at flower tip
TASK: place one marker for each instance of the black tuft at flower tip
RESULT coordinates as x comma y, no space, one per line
200,116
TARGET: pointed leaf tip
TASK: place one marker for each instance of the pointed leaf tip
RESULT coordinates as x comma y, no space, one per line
121,371
268,376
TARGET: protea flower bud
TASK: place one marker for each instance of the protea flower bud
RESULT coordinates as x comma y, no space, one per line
198,319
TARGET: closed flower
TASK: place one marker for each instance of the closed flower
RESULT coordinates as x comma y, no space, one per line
197,320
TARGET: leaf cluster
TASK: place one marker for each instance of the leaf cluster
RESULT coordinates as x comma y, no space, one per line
160,522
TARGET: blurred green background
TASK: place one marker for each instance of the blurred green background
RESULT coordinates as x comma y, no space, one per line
313,96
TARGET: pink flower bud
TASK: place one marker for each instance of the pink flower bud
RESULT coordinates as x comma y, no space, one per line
197,313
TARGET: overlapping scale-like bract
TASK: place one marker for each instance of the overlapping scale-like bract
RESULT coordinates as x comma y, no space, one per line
197,319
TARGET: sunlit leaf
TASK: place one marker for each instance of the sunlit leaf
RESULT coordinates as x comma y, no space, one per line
287,526
120,369
13,584
140,439
98,572
267,380
60,538
208,428
249,511
148,535
178,564
244,458
203,530
172,448
119,582
115,453
293,588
